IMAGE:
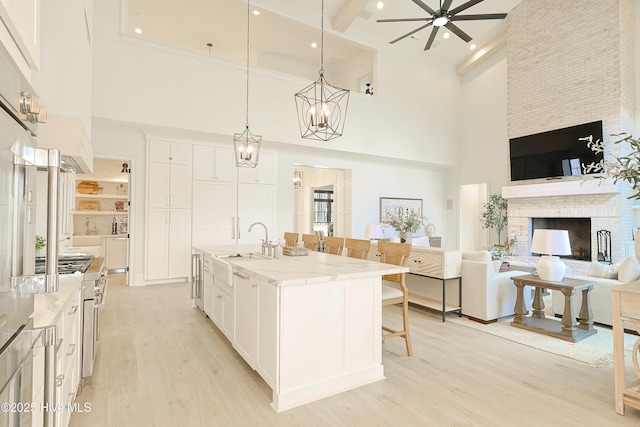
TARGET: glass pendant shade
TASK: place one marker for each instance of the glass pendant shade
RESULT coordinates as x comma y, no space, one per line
247,148
322,110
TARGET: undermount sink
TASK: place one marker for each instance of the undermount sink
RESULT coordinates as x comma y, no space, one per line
246,256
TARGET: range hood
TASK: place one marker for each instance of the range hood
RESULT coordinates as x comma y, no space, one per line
68,135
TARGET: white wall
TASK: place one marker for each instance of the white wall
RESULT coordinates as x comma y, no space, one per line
414,117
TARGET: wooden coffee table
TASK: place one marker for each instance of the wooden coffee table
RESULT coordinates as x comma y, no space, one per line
568,328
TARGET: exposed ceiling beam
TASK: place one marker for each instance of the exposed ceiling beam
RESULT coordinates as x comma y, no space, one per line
349,10
482,53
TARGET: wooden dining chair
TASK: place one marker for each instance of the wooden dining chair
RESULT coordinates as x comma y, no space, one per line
333,245
311,241
398,254
357,248
290,239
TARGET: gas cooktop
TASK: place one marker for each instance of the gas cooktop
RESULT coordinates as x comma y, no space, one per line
67,264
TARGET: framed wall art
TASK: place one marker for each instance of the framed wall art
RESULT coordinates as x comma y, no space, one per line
393,203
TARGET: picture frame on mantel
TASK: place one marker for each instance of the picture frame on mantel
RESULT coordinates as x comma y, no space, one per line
392,203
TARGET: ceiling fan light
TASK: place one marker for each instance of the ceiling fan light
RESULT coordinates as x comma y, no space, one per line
440,21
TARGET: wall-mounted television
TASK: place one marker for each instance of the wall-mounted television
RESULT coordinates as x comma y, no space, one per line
571,151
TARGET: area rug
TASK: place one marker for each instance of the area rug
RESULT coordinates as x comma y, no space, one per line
595,351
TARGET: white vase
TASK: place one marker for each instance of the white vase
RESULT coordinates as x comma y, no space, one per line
406,237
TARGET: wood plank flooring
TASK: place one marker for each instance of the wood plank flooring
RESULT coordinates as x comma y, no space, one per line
162,363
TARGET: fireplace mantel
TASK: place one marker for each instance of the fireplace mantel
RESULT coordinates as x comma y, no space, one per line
561,188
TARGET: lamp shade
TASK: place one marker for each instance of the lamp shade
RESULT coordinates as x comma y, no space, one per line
373,231
551,242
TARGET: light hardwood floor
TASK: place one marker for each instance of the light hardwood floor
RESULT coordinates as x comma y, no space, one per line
162,363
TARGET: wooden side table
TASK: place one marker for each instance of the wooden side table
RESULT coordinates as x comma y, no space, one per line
626,308
567,329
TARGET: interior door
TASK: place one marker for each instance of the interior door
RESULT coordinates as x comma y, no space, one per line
472,236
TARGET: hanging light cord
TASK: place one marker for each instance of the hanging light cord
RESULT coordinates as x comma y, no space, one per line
248,19
322,40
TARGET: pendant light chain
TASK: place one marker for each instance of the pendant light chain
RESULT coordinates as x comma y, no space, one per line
322,40
248,32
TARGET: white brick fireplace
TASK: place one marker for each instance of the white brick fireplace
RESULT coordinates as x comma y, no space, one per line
561,75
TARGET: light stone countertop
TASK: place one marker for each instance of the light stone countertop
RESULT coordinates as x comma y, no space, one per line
46,310
299,270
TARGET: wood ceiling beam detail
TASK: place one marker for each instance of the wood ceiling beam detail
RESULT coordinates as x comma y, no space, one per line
349,10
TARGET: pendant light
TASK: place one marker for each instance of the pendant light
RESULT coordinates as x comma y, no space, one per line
246,144
322,108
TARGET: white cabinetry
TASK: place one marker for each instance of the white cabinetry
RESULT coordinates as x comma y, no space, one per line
207,289
213,163
168,210
246,317
22,20
223,210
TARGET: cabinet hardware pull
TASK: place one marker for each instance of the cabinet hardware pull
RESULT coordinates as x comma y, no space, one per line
240,275
233,228
59,380
254,285
167,201
73,348
73,310
219,296
238,227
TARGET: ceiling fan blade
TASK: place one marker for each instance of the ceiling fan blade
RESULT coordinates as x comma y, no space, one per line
458,32
446,5
432,37
424,7
409,33
478,17
464,6
404,20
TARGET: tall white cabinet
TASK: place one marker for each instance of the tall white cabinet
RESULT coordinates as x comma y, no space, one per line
227,200
168,234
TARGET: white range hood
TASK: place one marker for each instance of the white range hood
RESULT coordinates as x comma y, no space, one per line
68,135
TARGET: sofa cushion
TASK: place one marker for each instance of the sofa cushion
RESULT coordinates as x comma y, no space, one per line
629,270
604,271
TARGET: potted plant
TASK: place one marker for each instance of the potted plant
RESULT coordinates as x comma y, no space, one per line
40,244
406,222
494,215
627,168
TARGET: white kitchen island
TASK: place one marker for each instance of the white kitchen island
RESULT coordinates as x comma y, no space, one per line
311,326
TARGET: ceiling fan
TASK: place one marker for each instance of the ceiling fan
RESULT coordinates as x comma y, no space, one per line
444,17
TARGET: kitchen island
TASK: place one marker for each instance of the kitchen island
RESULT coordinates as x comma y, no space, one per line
311,326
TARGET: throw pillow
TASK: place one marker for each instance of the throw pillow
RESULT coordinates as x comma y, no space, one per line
629,270
603,271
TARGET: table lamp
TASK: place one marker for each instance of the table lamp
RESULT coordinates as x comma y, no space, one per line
373,231
549,243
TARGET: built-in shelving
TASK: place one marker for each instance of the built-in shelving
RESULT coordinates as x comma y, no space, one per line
112,213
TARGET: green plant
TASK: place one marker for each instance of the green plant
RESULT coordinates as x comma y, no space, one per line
494,215
627,168
403,220
40,242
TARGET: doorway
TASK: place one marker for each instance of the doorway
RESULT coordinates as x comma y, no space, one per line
322,200
472,236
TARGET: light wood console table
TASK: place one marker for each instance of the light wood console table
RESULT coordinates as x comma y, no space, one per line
567,329
626,308
440,264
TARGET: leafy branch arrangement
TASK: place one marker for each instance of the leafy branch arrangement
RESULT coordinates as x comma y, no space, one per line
403,221
494,215
41,242
627,168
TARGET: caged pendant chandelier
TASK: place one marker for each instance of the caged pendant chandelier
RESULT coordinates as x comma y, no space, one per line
321,108
247,145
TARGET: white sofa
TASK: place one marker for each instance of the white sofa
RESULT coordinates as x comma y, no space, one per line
487,295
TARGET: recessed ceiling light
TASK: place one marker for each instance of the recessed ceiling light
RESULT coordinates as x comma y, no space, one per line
256,12
314,45
380,5
473,46
446,35
138,31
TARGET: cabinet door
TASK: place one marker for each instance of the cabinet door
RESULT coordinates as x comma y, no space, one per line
267,336
157,244
22,18
159,151
227,316
224,164
158,185
116,252
208,291
203,163
180,186
246,304
217,307
180,153
256,203
179,252
213,213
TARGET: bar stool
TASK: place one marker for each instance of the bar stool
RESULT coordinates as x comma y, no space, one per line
311,241
357,248
290,239
333,245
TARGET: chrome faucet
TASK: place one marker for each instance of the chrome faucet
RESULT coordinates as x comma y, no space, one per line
266,244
